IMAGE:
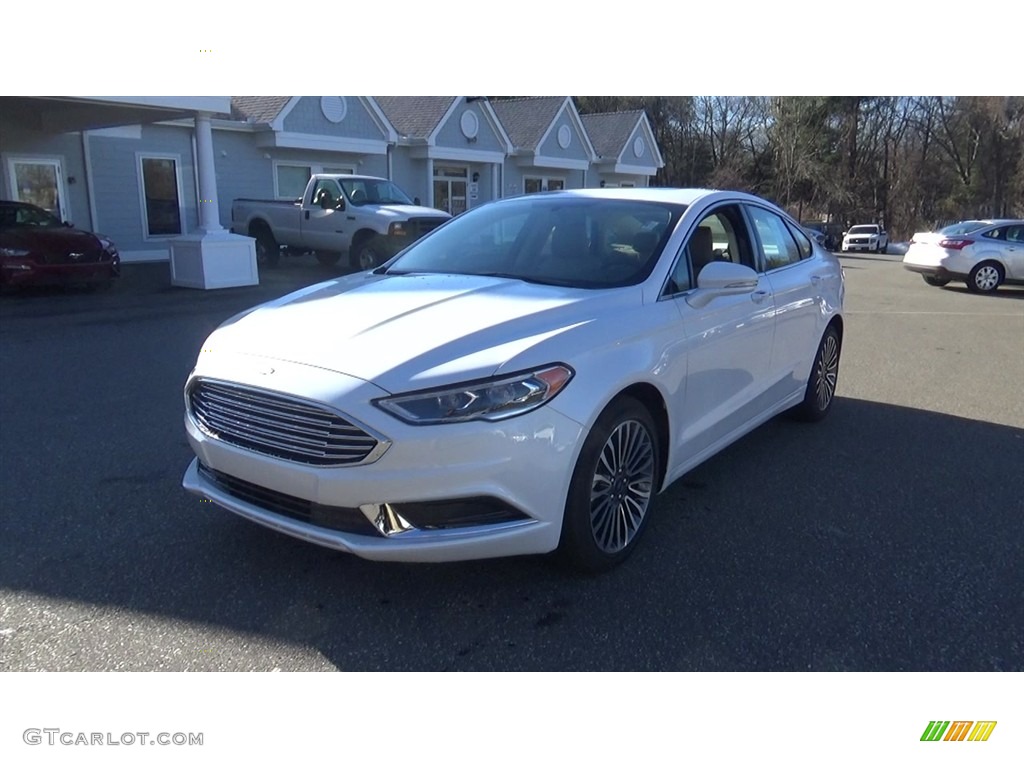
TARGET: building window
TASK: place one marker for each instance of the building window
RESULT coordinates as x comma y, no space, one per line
542,184
291,178
161,193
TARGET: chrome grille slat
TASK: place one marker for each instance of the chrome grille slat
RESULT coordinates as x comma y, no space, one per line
269,402
213,397
321,436
278,425
224,424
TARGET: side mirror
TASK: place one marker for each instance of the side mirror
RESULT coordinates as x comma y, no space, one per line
68,224
416,201
722,278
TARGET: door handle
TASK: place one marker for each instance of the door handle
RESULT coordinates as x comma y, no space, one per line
816,278
307,215
758,296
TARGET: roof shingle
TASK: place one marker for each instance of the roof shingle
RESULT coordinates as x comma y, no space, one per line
414,116
257,109
526,120
609,131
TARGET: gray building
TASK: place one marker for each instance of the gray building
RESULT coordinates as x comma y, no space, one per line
155,172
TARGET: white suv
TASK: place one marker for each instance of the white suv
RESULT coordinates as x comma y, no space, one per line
866,237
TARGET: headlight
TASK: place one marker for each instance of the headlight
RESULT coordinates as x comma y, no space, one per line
398,229
490,400
14,253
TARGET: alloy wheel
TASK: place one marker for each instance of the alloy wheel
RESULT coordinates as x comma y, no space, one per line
622,486
826,371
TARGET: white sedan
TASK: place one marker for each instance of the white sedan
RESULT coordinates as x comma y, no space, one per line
526,378
983,254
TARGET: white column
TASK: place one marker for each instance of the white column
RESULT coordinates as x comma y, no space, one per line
209,207
430,182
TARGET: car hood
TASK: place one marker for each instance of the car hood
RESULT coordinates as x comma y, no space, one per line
407,332
399,211
51,240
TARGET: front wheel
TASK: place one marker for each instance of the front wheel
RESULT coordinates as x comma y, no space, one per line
821,386
884,248
612,488
985,277
369,254
935,280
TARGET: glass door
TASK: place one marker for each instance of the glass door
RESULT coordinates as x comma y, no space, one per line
39,182
450,186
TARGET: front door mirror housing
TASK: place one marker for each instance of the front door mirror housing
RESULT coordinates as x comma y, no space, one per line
722,278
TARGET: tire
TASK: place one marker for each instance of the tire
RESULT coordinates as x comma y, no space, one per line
821,385
268,252
884,248
985,277
935,280
368,253
612,489
328,258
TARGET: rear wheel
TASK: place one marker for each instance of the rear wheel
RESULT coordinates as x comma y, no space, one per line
612,488
985,277
821,386
268,252
935,280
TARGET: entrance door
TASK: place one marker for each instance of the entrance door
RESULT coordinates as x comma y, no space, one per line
450,185
39,181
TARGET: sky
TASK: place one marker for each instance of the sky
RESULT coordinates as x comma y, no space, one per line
525,47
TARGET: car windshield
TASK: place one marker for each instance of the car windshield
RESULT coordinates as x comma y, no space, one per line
373,192
962,228
26,216
573,241
864,229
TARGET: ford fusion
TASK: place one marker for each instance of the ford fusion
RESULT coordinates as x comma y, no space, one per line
526,378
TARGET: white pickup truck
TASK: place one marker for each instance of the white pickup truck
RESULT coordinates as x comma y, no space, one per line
367,217
866,237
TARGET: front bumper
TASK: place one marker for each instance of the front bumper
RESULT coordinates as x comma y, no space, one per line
524,464
22,272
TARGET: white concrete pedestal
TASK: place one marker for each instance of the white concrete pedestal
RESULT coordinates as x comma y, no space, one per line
218,260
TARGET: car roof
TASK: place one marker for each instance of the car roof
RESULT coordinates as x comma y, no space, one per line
674,195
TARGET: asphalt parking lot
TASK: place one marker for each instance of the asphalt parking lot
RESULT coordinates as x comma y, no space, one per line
889,537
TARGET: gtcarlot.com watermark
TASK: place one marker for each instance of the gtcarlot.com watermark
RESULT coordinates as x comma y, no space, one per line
56,737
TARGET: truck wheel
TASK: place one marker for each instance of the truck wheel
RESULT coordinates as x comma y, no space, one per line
268,252
368,254
328,258
884,248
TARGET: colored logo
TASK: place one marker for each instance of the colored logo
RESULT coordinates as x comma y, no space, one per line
958,730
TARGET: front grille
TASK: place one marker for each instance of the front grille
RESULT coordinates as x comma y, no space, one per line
279,426
859,240
347,519
424,224
73,256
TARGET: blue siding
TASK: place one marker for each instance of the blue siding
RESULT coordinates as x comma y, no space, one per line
307,117
450,134
242,170
116,183
577,147
410,174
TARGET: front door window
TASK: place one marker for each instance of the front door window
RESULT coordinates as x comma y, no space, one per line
39,182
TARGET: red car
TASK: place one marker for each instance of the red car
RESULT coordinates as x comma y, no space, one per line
37,248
